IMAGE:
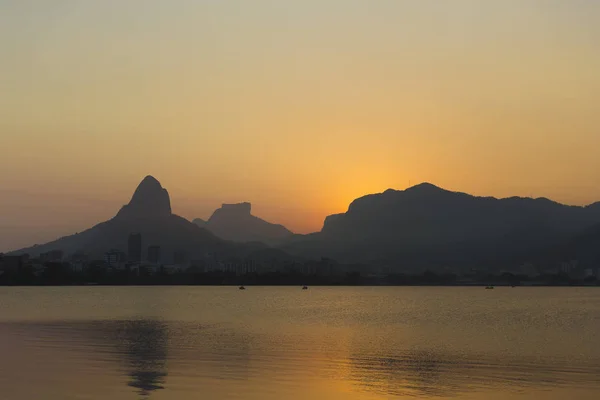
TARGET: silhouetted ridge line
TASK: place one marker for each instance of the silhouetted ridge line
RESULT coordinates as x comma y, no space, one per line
149,214
427,226
422,227
235,222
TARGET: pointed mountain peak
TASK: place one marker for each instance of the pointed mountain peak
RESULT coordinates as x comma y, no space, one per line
149,199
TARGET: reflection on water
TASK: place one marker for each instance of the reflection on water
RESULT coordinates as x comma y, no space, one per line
141,347
144,343
421,372
430,373
261,350
138,347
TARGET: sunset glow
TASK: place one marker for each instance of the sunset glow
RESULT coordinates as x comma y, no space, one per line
296,107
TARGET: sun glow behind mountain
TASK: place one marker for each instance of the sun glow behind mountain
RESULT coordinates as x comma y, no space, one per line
297,107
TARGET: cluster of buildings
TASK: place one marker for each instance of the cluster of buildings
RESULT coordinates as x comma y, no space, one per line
115,260
150,261
571,269
119,260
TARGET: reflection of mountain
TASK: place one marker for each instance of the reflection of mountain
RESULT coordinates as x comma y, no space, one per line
141,345
144,344
220,360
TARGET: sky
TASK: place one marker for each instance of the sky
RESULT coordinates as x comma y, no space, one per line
298,107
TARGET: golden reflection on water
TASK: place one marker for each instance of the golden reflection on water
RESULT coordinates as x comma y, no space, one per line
233,347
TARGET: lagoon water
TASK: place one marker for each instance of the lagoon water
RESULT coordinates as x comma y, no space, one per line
180,343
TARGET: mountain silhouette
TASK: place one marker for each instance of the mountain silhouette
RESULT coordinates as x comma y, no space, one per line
427,226
149,200
148,213
235,222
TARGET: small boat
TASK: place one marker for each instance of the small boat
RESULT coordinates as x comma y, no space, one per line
304,287
489,287
242,287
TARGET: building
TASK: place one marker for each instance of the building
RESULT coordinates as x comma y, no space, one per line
78,266
52,256
114,258
179,258
205,265
148,269
588,273
135,248
79,261
154,254
568,268
240,267
173,269
79,256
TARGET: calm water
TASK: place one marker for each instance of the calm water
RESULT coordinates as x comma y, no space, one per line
177,343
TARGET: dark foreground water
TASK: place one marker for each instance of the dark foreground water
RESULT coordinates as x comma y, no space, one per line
179,343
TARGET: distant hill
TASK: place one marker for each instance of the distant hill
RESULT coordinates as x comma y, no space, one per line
148,213
235,222
426,226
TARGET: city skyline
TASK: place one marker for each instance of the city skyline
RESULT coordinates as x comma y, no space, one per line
298,109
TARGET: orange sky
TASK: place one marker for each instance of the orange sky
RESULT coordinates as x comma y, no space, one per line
298,108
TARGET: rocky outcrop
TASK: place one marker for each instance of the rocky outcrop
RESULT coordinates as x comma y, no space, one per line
235,222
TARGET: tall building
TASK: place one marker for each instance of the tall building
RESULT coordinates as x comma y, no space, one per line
135,248
154,254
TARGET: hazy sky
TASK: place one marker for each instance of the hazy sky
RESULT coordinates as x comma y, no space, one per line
296,106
